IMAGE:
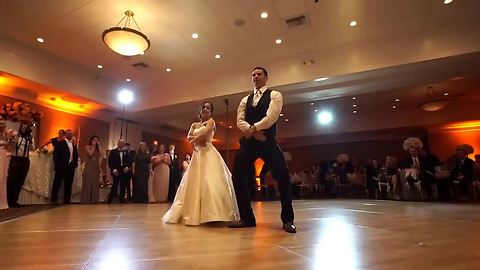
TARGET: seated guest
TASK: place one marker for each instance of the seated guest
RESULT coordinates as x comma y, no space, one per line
463,170
393,174
422,162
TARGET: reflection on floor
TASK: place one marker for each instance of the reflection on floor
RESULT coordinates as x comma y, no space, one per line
333,234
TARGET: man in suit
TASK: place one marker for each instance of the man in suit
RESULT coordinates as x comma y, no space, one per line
129,182
423,161
175,173
257,115
65,158
120,163
463,171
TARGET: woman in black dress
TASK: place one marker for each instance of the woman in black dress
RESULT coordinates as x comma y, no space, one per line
141,170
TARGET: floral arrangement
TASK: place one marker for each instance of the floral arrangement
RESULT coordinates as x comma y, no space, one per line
19,111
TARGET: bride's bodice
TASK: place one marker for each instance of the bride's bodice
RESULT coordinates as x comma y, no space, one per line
202,129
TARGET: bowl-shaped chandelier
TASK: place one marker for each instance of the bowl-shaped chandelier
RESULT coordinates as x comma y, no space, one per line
125,40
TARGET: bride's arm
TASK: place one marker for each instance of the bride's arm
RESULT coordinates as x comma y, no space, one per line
190,132
203,132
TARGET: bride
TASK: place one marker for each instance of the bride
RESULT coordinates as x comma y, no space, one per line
206,192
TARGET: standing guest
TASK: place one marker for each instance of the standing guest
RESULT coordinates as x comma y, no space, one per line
185,163
129,182
175,173
141,168
65,158
19,164
5,147
92,171
120,163
371,173
161,175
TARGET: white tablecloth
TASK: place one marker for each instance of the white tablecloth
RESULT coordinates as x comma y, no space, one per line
38,185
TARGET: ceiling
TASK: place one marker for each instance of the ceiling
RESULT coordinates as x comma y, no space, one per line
389,33
397,49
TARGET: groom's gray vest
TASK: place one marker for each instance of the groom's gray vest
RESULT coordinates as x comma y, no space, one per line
255,114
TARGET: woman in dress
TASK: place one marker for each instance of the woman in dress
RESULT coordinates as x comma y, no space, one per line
4,161
161,175
92,172
206,193
141,169
185,163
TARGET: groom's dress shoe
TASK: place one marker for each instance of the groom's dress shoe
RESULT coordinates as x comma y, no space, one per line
242,224
289,227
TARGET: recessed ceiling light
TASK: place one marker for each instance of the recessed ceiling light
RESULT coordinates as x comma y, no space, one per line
353,23
281,114
128,80
354,98
354,112
168,69
354,105
41,40
99,66
394,107
264,15
446,2
316,110
229,126
278,41
217,56
397,100
286,119
311,103
195,35
445,94
321,79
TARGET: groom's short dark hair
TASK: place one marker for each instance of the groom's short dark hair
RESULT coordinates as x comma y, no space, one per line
262,69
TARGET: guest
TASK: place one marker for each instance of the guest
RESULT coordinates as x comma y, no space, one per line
371,173
120,163
4,161
65,158
393,174
463,171
175,174
92,172
161,175
141,169
129,181
422,162
185,163
344,169
476,178
19,164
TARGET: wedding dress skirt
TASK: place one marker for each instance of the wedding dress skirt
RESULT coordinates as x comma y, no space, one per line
206,192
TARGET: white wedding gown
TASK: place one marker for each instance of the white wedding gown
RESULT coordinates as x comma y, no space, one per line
206,193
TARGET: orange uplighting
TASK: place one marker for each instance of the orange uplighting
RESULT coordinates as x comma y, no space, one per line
466,132
258,168
463,125
45,95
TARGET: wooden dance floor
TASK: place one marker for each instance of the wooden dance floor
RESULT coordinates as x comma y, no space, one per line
333,234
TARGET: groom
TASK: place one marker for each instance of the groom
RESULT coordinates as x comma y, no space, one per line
256,117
